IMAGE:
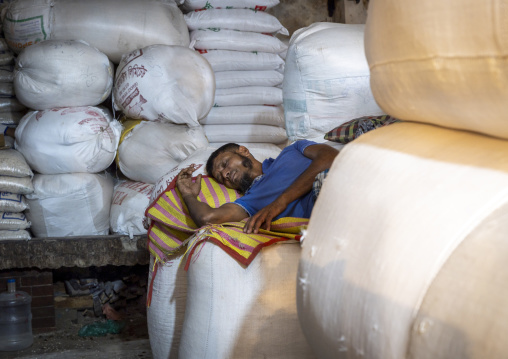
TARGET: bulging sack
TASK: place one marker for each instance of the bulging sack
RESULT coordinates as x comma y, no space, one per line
71,204
223,4
230,60
150,149
128,206
166,84
65,140
58,73
326,80
115,28
246,133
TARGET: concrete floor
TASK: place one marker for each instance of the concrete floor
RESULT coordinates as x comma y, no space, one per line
64,342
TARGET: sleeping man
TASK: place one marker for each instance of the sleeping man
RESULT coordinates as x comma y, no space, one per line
275,188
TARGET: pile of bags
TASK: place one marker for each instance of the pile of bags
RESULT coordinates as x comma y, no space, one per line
247,58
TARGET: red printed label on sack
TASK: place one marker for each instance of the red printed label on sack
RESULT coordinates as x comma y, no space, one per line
119,197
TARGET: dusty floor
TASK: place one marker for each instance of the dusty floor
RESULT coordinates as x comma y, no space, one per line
64,342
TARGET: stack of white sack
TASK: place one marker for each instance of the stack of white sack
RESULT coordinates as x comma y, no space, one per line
15,183
68,140
115,28
326,80
242,48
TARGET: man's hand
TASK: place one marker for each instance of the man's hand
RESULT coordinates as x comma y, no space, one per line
184,182
264,217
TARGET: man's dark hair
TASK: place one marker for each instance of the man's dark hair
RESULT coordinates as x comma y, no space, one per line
231,147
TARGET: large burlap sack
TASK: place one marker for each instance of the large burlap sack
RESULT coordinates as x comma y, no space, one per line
428,65
261,5
405,253
254,115
164,83
58,73
112,26
151,149
66,140
221,39
128,206
238,312
166,312
235,19
230,60
326,80
73,204
246,133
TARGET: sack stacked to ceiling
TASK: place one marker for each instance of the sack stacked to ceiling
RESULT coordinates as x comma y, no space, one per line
68,142
115,28
15,184
326,80
241,46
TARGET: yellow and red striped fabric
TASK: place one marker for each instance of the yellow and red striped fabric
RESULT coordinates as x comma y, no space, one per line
172,227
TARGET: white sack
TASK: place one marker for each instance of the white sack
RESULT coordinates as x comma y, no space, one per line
11,118
429,65
7,73
245,133
6,57
405,253
73,204
19,185
151,149
11,105
59,73
199,158
235,19
228,79
165,315
13,221
206,39
128,206
254,115
114,27
164,83
326,79
15,234
251,4
248,95
230,60
6,89
237,312
66,140
12,202
14,164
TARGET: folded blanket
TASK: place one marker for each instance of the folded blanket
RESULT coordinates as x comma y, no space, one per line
172,227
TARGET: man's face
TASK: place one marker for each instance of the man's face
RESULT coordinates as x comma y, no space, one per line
233,170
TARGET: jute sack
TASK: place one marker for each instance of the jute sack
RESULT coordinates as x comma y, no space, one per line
428,65
114,27
128,206
405,253
58,73
66,140
72,204
238,312
164,83
150,149
326,79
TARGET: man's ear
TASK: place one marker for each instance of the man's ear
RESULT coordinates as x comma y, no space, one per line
244,151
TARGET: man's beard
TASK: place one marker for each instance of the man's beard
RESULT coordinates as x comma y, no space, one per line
245,180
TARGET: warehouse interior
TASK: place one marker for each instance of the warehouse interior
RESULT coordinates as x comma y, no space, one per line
104,104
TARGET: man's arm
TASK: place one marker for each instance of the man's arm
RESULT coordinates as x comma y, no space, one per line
322,157
201,213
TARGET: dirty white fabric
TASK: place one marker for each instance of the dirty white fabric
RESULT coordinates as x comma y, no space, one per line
238,312
230,60
228,79
128,206
188,5
114,28
248,95
246,133
401,255
70,204
253,115
326,79
58,73
66,140
438,69
151,149
164,83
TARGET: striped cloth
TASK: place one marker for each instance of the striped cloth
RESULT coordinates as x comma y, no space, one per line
350,130
172,227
